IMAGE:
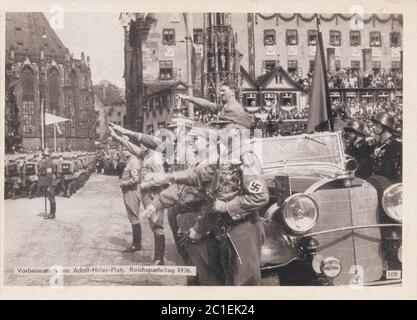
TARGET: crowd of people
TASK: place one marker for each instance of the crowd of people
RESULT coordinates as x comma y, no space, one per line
109,162
366,111
293,120
354,78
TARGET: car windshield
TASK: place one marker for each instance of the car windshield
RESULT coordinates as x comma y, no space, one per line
321,147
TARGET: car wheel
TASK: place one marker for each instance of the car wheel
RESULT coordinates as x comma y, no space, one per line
270,280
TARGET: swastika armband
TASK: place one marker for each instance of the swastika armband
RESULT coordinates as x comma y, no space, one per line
255,187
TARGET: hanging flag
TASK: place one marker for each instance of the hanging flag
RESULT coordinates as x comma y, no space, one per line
320,108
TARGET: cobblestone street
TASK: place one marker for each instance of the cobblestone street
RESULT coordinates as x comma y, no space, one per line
91,229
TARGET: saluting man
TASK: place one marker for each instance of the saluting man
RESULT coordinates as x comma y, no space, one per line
150,163
231,110
129,184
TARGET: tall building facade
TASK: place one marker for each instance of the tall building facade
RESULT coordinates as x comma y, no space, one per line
275,51
112,104
41,71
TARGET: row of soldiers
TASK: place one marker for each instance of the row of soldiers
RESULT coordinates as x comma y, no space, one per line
22,171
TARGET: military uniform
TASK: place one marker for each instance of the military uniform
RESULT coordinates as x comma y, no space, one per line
186,202
13,177
362,152
129,183
30,171
238,233
66,171
151,162
56,159
22,178
387,159
47,182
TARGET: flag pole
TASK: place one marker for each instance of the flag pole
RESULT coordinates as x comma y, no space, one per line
326,83
54,137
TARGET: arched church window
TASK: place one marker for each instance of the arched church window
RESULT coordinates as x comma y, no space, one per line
28,101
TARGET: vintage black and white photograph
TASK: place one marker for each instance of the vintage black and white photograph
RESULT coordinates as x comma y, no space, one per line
203,148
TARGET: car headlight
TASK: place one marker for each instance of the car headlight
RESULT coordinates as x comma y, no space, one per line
300,213
351,165
392,200
331,267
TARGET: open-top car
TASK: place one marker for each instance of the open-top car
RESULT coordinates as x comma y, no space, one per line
323,225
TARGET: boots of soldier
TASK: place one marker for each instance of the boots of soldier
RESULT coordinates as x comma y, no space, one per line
159,250
137,239
51,215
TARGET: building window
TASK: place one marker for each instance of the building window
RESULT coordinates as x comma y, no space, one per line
311,66
288,99
269,37
161,125
250,99
168,37
355,38
198,36
165,70
395,66
312,37
335,38
28,117
375,39
28,101
269,66
292,67
53,85
376,67
119,114
355,65
292,37
395,39
337,65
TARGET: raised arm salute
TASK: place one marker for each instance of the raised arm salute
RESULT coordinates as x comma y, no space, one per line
202,103
231,111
